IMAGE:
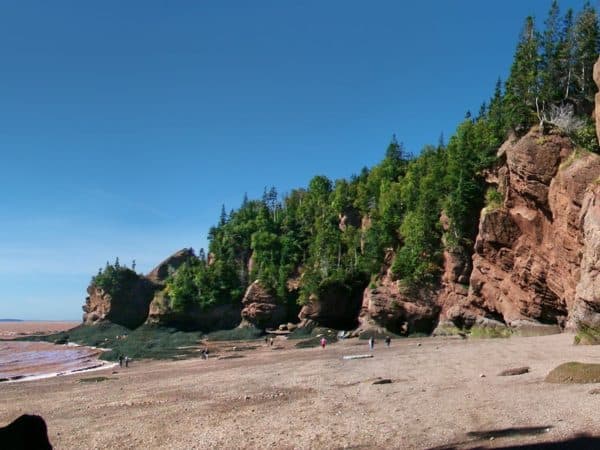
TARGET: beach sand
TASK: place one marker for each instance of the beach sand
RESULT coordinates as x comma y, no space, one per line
443,391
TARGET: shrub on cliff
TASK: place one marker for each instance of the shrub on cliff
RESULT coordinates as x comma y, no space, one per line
115,279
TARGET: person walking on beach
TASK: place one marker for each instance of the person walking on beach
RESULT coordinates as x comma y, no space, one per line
127,361
388,341
120,360
371,343
323,342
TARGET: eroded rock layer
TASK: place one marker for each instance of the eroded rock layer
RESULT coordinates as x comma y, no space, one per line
261,308
527,256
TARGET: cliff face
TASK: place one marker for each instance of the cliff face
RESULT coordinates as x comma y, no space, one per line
597,110
586,310
527,256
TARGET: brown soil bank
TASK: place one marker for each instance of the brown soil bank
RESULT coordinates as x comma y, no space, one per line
280,397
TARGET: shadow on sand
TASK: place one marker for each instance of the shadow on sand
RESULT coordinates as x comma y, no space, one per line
577,442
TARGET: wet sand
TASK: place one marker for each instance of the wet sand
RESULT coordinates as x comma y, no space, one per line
282,398
20,361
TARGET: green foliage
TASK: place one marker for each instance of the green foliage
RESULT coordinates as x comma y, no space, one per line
236,334
489,332
493,199
521,86
586,138
115,279
574,372
587,335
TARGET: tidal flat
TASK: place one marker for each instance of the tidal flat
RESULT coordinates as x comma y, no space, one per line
439,392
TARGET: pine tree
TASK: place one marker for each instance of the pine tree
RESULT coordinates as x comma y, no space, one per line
522,86
587,39
550,68
566,56
496,119
223,216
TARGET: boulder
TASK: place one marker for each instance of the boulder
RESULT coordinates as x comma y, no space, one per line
161,272
260,308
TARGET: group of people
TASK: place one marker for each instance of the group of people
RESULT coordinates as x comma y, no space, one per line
124,359
388,342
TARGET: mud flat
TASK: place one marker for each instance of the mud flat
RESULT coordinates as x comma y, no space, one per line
443,392
12,330
23,361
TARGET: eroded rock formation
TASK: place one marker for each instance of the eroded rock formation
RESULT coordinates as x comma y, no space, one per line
161,272
527,256
586,310
128,307
261,308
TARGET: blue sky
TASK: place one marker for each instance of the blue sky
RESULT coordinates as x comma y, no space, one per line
124,126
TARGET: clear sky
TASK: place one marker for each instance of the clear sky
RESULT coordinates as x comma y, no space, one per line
125,125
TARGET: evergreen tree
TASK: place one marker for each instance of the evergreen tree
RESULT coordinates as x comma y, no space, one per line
223,216
566,56
550,66
521,86
587,40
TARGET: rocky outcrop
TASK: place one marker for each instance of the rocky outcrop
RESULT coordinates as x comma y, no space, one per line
261,308
350,217
597,110
129,301
586,310
211,318
127,306
527,256
161,272
386,306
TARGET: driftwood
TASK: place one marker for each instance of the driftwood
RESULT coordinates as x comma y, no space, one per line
357,356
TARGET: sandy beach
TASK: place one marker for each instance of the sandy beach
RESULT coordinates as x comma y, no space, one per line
442,392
